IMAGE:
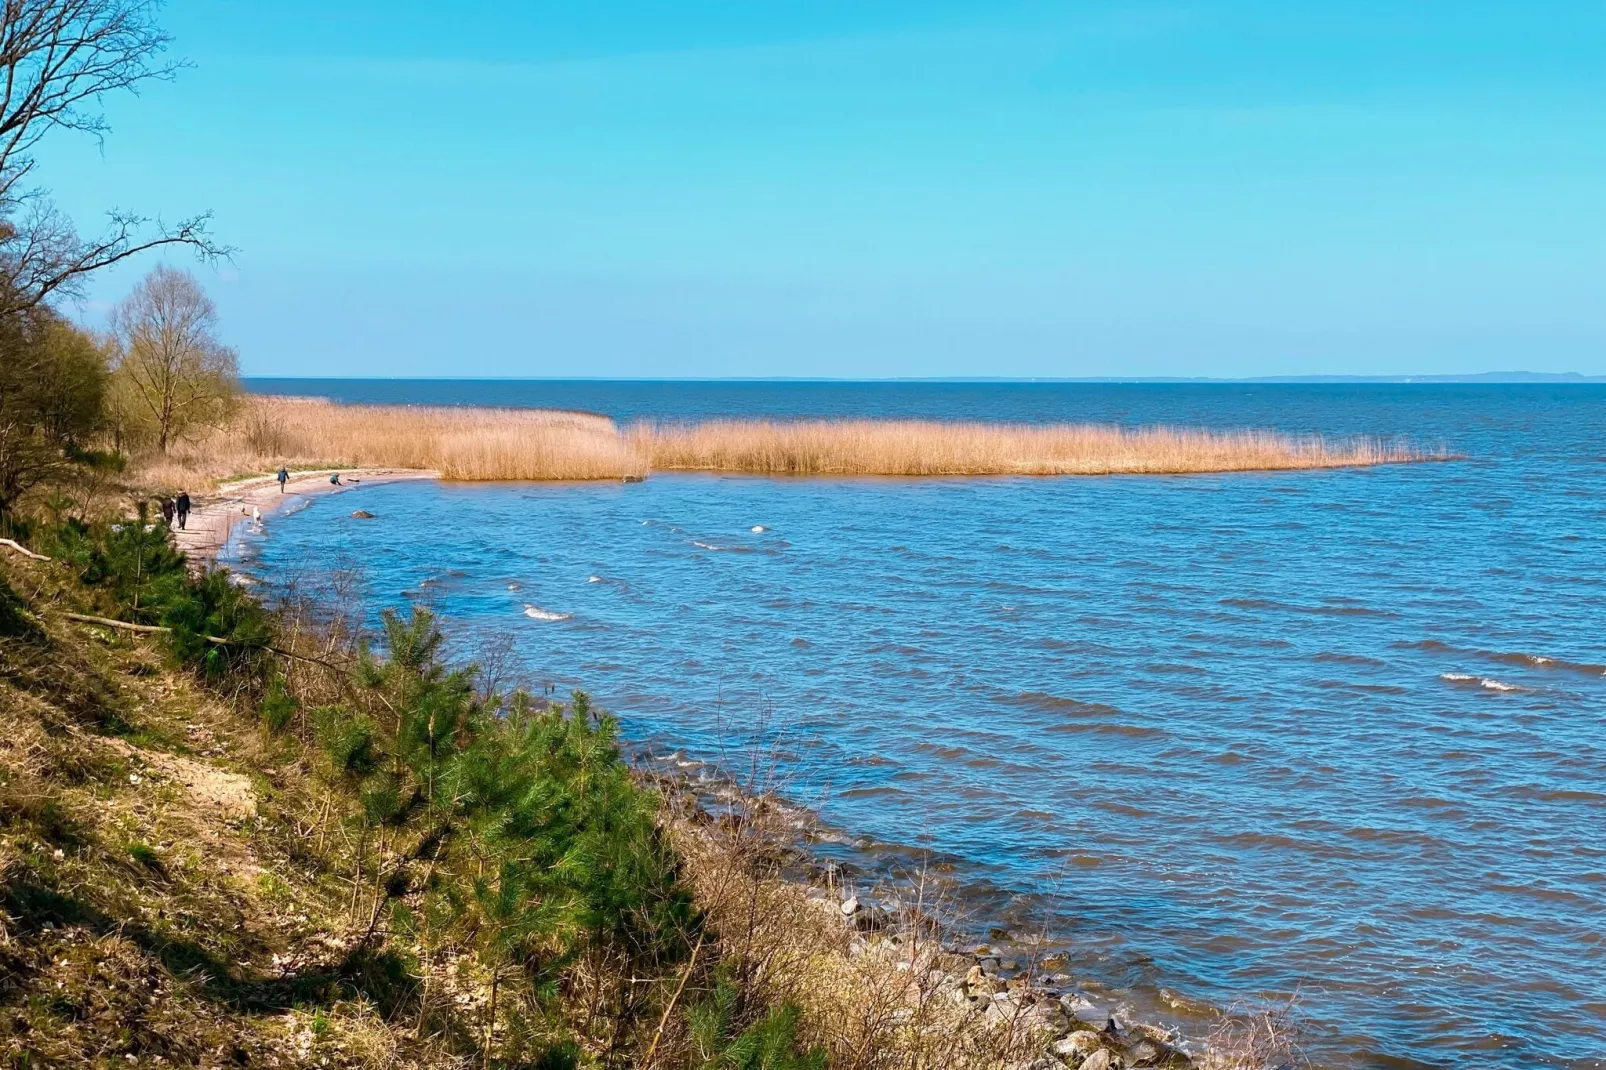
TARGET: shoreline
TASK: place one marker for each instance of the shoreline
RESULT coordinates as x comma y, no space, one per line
213,515
1008,982
883,912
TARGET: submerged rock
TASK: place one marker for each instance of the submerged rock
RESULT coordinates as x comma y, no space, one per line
363,514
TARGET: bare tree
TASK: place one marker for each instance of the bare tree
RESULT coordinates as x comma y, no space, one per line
58,59
173,375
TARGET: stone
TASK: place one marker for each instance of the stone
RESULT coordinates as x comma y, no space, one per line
1080,1007
1099,1060
1078,1043
362,514
1150,1051
978,982
872,919
829,906
850,906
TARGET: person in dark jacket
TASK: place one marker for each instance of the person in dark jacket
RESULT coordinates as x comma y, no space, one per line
183,508
283,478
167,512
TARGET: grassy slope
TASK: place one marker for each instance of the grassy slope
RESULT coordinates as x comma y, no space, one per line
173,891
161,899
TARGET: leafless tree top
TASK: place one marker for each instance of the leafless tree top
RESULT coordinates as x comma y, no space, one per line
58,60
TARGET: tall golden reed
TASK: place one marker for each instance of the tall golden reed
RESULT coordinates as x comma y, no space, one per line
530,444
460,443
930,448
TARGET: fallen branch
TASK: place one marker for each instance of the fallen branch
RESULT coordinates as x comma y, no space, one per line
157,629
23,550
109,623
646,1063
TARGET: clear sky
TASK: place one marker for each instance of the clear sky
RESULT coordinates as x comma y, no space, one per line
860,188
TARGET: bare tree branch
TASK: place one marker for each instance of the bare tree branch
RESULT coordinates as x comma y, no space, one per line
58,60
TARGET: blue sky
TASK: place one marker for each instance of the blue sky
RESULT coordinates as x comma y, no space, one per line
941,188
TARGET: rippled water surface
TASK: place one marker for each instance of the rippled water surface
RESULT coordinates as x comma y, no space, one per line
1341,730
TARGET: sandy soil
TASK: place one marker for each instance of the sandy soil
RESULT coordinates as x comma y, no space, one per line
213,516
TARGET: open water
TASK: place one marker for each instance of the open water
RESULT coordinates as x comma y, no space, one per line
1342,731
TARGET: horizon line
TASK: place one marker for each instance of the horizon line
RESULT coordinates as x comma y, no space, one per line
1504,377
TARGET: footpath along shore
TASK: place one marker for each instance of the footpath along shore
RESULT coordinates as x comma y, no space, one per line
213,516
985,989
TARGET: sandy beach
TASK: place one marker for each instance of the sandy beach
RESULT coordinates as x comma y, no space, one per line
213,516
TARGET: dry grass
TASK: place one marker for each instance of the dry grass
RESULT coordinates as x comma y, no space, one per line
878,1001
1257,1037
533,444
930,448
459,443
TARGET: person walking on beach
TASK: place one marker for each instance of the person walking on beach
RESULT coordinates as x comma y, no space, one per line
167,512
183,507
283,478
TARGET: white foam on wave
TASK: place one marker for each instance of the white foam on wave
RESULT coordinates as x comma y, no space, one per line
737,550
535,612
759,529
514,585
593,579
1481,681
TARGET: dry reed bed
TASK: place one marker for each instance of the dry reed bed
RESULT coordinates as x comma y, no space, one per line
931,448
467,444
474,444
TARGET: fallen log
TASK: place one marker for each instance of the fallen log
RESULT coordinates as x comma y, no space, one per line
23,550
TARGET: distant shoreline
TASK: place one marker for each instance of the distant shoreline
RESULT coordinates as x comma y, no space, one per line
1511,378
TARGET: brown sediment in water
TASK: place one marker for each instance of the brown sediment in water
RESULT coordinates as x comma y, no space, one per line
484,444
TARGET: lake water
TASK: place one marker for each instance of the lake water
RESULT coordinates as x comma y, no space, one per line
1338,731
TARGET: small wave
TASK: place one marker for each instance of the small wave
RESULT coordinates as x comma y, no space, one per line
1540,661
1104,728
537,613
514,585
1527,661
1320,611
593,579
1349,659
1042,700
758,529
1480,681
726,549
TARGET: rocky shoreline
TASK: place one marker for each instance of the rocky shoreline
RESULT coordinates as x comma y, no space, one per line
1002,989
